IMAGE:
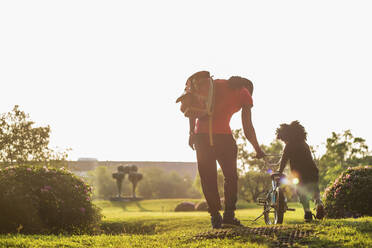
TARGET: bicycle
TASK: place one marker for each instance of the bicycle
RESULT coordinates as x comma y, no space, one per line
275,202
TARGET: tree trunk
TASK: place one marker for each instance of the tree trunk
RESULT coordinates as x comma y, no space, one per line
118,184
134,190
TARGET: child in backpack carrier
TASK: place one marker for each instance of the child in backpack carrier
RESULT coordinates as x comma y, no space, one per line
302,166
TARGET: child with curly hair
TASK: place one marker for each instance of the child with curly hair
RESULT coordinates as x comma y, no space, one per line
302,166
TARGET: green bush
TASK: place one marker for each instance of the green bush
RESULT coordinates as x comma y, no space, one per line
185,207
45,200
201,206
350,194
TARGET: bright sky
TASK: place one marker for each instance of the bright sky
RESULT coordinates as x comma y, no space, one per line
105,74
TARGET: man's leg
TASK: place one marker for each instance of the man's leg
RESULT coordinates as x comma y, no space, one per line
208,172
226,152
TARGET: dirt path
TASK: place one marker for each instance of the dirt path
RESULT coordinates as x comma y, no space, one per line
280,236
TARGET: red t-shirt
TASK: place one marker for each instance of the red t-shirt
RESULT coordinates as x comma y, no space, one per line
227,102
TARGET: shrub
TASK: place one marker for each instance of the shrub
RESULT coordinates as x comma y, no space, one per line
350,194
45,200
201,206
185,207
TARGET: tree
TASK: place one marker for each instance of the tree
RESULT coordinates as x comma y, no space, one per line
21,142
119,177
158,183
343,151
253,184
246,160
101,180
220,183
134,178
254,178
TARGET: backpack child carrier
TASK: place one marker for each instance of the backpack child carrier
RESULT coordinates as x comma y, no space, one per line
196,101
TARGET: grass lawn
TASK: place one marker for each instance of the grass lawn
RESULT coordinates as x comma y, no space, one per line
152,223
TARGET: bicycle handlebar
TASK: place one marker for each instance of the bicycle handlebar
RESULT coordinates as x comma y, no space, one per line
267,162
273,155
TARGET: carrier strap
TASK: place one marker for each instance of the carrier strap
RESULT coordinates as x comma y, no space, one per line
210,108
211,130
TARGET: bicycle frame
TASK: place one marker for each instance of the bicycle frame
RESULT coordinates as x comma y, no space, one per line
269,201
275,199
275,182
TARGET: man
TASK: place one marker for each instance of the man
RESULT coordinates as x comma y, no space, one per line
230,96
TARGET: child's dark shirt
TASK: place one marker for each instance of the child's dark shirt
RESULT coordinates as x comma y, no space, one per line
301,161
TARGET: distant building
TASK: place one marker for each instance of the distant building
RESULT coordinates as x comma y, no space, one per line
82,166
87,159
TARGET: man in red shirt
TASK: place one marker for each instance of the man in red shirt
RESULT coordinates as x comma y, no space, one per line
230,96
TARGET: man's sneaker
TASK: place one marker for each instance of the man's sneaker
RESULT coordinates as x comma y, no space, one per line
216,220
320,212
229,219
308,216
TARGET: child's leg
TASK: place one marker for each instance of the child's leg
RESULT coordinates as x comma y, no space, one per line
316,195
303,194
320,213
313,188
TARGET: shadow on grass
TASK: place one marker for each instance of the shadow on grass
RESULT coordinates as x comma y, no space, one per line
120,205
273,236
142,208
140,227
295,222
125,205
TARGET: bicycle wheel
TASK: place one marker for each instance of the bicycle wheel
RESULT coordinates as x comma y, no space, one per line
268,210
280,207
274,207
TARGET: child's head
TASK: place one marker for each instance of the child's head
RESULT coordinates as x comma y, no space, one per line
293,132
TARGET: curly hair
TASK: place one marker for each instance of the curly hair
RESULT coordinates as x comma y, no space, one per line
236,82
293,132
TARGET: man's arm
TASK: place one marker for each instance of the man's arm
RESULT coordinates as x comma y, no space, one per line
191,132
249,131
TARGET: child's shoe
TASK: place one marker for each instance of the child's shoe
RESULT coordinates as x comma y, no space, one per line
216,220
308,216
320,212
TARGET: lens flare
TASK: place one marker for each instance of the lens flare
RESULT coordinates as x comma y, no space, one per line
284,180
295,181
269,171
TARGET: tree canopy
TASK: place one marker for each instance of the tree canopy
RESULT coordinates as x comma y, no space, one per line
343,150
21,142
247,160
